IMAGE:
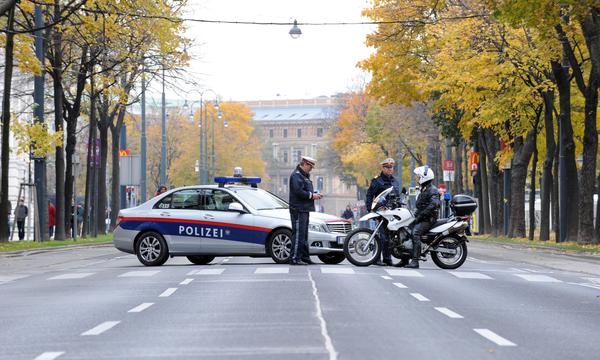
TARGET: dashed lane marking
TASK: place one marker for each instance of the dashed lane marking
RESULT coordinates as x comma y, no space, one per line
186,281
272,270
400,285
419,297
168,292
495,338
336,270
49,355
107,325
386,277
207,272
401,272
71,276
140,273
538,278
469,275
141,307
449,313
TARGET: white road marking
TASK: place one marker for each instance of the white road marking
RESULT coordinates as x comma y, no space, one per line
141,307
71,276
386,277
272,270
328,343
590,279
186,281
401,272
400,285
208,272
140,273
469,275
517,270
337,270
538,278
100,328
492,336
7,278
168,292
472,259
419,297
449,313
588,285
50,355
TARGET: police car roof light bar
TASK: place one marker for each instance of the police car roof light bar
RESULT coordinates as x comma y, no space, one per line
250,180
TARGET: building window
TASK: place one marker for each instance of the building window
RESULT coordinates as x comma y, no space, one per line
319,132
285,181
284,133
299,133
270,133
313,150
297,156
285,157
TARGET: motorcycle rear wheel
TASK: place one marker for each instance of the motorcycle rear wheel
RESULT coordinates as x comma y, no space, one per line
450,261
356,250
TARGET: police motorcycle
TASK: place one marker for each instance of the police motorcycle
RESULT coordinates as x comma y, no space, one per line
446,241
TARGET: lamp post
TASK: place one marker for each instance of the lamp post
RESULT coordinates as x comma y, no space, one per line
203,160
163,144
76,163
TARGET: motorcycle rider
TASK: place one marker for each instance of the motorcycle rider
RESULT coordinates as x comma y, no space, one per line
378,184
426,214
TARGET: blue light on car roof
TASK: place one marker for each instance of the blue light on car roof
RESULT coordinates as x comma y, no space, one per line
246,180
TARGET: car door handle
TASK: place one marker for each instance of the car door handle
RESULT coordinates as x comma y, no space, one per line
165,214
209,217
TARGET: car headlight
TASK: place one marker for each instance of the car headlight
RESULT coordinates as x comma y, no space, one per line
317,227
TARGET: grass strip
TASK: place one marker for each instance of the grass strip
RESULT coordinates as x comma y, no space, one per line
28,244
566,246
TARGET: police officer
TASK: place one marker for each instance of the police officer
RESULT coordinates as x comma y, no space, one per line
378,184
426,214
302,202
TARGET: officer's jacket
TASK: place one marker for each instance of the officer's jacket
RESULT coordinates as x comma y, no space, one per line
301,190
378,184
428,204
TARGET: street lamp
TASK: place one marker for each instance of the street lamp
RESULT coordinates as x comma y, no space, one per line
295,31
203,160
76,163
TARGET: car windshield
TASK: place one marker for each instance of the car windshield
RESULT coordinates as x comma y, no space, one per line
261,199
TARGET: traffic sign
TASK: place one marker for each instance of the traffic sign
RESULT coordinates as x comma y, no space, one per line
448,165
124,152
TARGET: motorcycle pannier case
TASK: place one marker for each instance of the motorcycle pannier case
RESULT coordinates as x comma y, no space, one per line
463,205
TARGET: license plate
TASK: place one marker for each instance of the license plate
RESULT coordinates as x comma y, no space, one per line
340,240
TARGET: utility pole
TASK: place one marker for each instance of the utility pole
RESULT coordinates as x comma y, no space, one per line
38,114
163,145
143,142
399,166
122,188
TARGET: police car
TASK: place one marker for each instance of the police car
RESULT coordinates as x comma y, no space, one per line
234,217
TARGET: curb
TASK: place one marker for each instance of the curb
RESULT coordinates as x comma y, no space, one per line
43,250
546,249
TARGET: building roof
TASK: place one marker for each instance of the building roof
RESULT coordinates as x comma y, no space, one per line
294,110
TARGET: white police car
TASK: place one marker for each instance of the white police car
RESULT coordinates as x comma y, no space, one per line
231,218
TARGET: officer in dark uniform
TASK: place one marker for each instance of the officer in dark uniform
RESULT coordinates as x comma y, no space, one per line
378,184
426,214
302,202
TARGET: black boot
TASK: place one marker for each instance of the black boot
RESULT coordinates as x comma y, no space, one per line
414,264
403,262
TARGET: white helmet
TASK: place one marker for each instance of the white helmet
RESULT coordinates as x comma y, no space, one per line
424,173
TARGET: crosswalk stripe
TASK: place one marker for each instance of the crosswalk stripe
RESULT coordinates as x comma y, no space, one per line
208,272
336,270
168,292
100,328
400,285
537,278
140,273
402,272
272,270
71,276
49,355
493,337
186,281
449,313
469,275
386,277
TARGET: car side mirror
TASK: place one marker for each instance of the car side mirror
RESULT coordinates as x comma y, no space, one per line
235,206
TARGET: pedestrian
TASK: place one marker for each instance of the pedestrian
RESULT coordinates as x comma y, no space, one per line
79,218
302,202
51,219
348,214
427,205
378,184
161,189
8,211
21,212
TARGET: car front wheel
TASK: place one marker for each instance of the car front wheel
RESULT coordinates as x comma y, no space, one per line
151,249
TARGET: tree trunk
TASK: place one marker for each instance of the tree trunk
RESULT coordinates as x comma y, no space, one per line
492,146
597,228
8,70
547,180
102,191
522,150
115,200
59,233
532,189
458,159
485,190
88,209
555,206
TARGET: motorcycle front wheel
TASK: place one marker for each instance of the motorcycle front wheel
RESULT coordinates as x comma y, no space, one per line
357,249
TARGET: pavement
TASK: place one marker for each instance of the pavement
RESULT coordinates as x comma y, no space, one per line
93,302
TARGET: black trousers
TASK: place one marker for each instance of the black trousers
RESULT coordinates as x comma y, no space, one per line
384,245
21,227
418,230
299,235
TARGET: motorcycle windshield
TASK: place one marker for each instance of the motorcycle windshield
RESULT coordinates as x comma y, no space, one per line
380,197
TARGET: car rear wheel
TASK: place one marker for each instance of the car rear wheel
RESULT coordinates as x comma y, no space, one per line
200,259
151,249
332,258
279,246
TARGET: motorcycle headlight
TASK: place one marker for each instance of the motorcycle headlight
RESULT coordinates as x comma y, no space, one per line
317,227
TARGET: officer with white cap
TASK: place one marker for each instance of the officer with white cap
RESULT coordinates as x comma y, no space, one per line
302,202
378,184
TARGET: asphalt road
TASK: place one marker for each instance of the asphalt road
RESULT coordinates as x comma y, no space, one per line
506,302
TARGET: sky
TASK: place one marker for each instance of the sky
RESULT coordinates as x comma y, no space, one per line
259,62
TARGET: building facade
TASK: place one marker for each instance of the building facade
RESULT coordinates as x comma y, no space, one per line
290,129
